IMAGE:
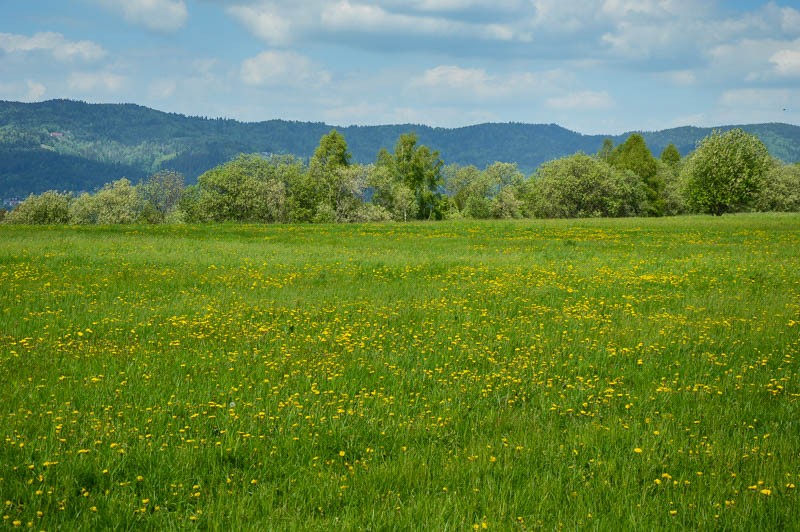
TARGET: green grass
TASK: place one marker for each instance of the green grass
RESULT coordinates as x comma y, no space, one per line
640,374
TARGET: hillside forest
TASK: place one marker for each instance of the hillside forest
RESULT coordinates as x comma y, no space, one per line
730,171
75,146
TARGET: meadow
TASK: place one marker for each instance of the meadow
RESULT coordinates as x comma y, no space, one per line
632,374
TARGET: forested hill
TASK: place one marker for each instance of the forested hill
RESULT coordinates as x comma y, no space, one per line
69,145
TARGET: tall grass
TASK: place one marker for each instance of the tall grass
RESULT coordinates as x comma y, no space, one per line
627,373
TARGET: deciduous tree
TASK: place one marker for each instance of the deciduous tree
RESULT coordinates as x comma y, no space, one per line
726,171
582,186
48,208
635,156
419,169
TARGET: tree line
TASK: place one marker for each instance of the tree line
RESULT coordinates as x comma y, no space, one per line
728,171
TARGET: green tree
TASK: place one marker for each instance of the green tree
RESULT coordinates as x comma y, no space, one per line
671,157
674,200
635,156
249,188
84,210
582,186
117,203
420,170
331,153
781,189
508,186
48,208
160,194
459,183
606,150
189,207
391,194
332,189
725,172
507,204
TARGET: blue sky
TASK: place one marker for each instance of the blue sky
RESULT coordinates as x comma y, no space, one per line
594,66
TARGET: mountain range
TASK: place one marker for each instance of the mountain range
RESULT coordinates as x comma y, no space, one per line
77,146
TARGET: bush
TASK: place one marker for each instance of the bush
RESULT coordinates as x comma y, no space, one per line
781,189
581,186
117,203
49,208
84,210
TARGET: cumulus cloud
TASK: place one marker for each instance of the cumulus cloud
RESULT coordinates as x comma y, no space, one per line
53,43
787,62
156,15
280,68
755,60
264,21
584,100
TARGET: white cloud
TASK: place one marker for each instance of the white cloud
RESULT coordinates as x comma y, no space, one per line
453,77
585,100
35,91
346,16
465,5
265,22
156,15
278,68
790,20
29,91
95,81
454,82
282,23
54,43
755,60
787,62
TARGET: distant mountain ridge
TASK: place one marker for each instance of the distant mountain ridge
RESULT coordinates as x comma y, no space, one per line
72,145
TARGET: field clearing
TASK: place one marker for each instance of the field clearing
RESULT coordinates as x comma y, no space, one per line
632,373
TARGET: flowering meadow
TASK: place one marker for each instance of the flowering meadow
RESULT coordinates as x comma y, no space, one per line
632,373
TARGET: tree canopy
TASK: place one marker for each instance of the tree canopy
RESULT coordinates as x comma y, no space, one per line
726,171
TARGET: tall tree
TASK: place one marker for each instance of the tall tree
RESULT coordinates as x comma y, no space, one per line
420,170
331,153
606,150
330,190
726,171
635,156
671,156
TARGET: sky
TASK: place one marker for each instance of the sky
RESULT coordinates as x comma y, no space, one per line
593,66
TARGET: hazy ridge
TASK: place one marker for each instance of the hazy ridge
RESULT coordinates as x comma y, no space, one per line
71,145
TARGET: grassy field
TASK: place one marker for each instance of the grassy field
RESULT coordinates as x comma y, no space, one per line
632,374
